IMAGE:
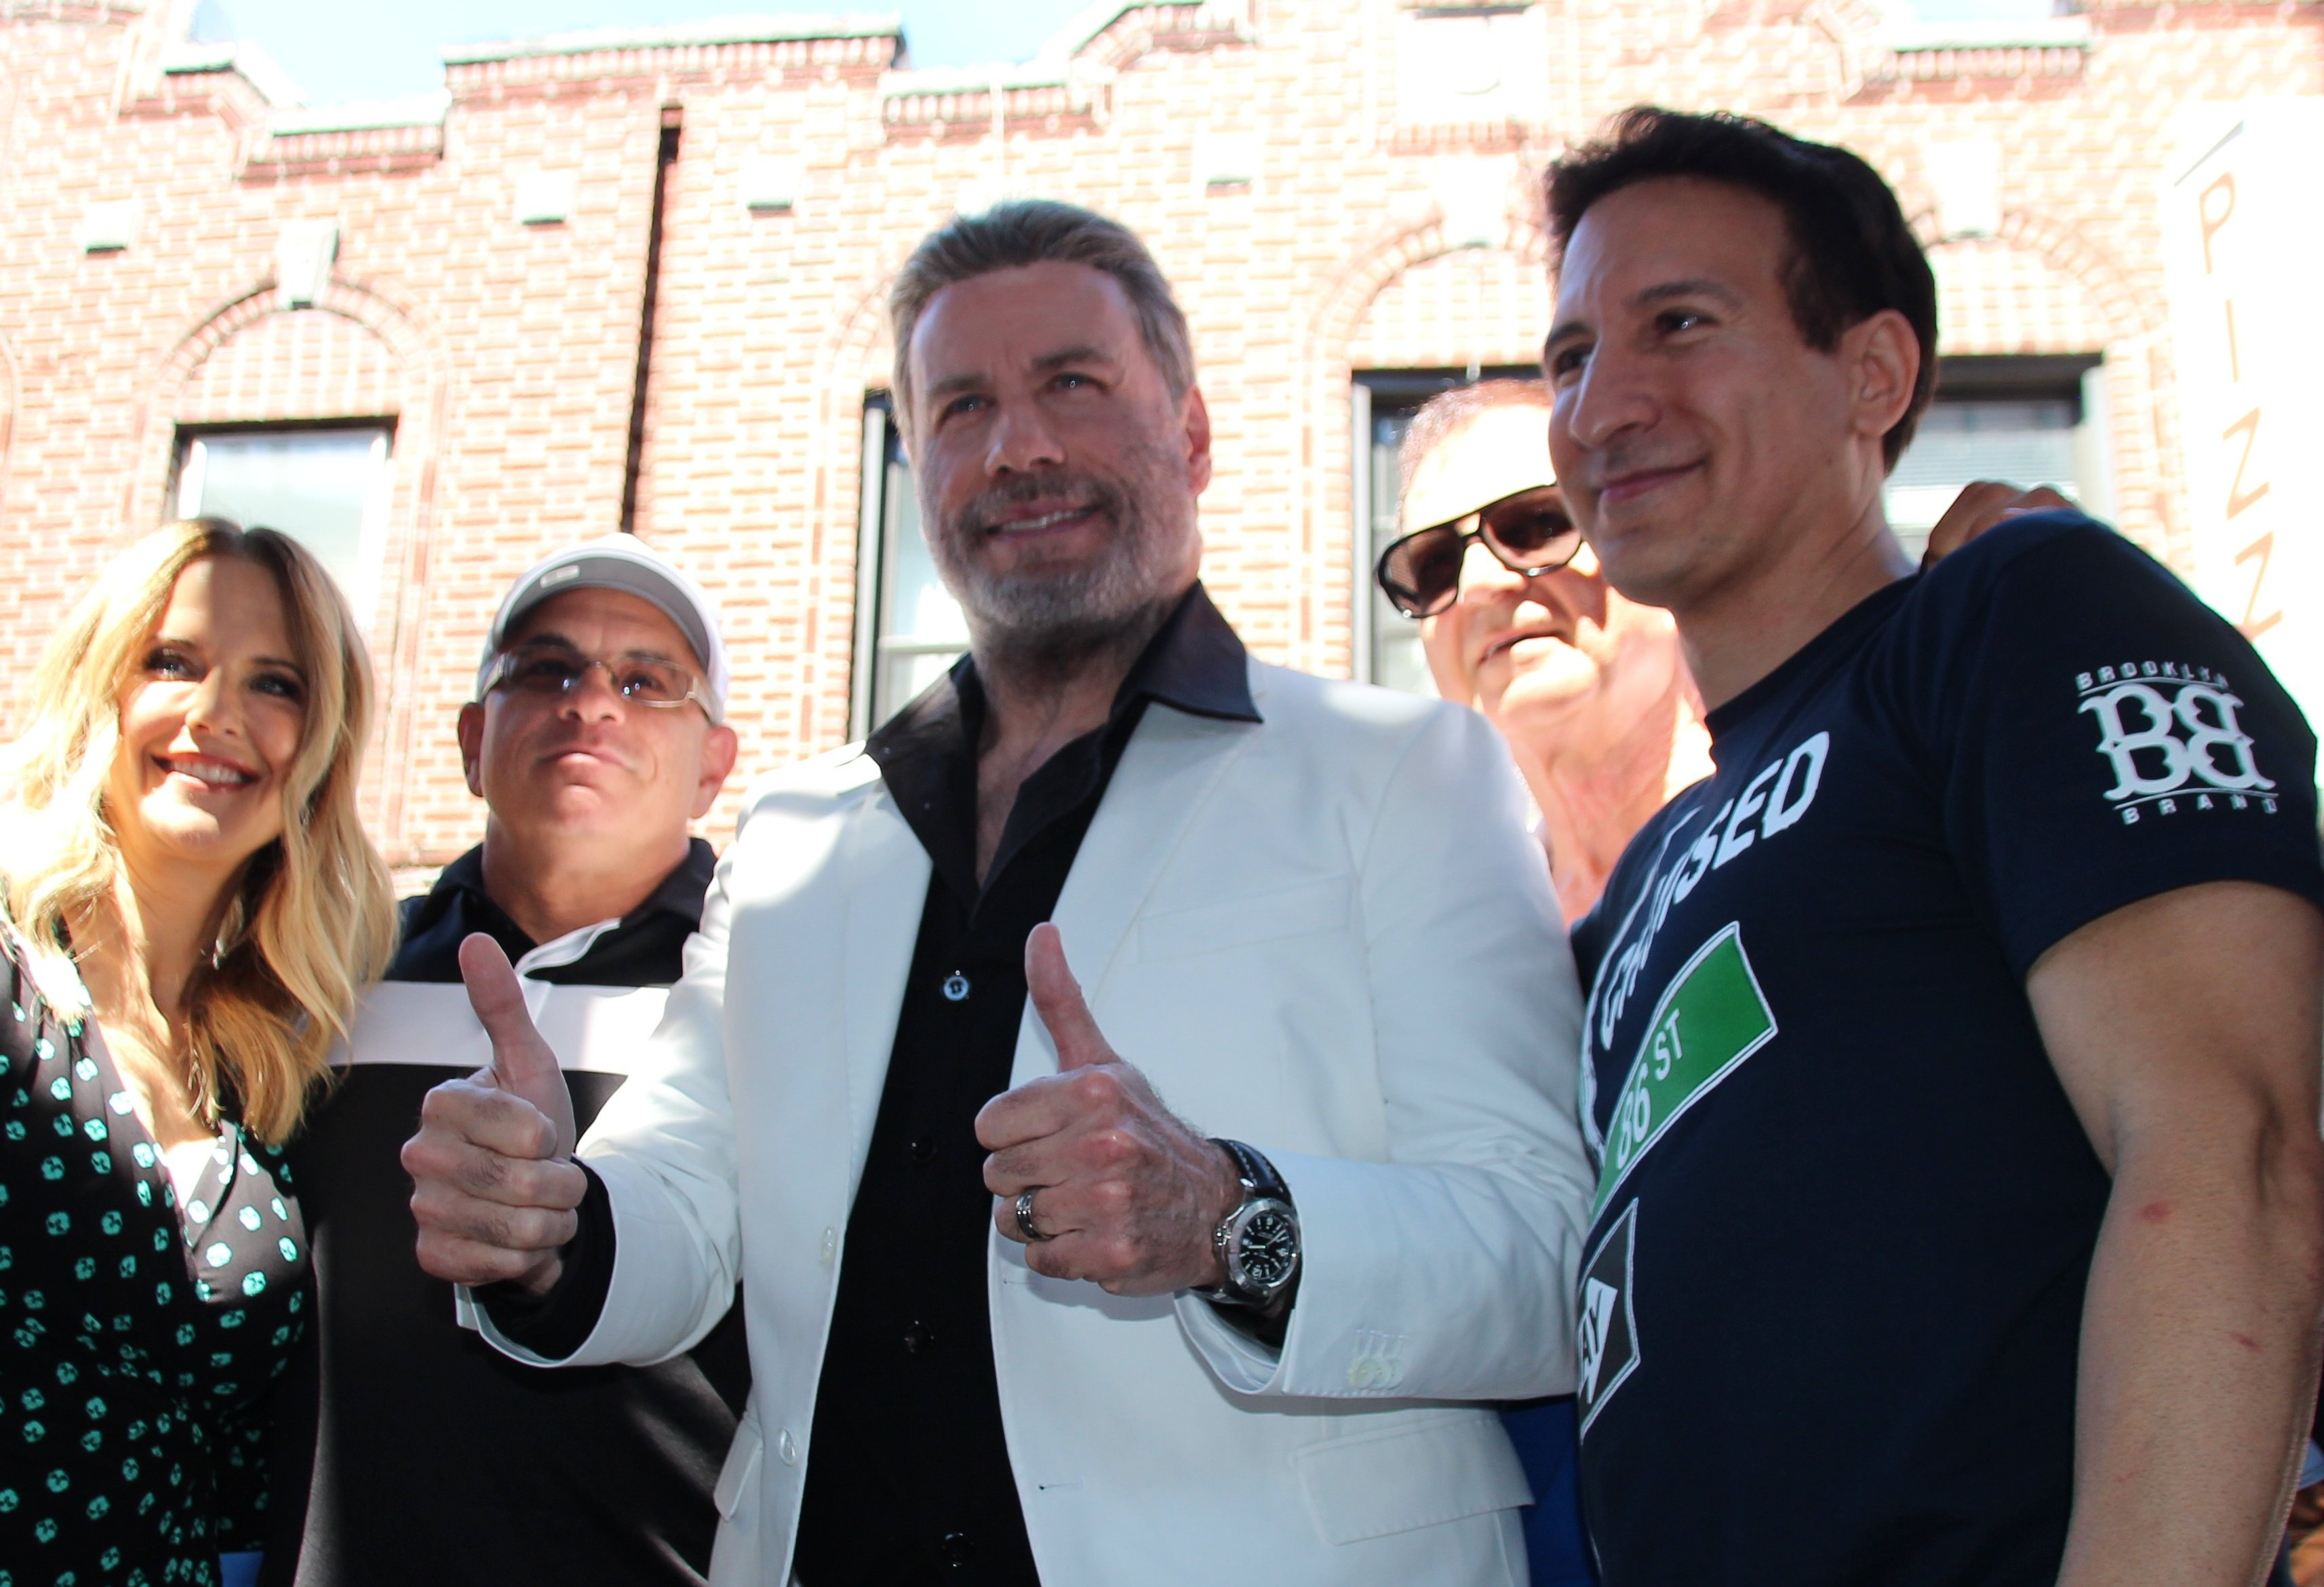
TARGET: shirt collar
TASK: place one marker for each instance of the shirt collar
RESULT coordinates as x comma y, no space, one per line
680,892
1194,662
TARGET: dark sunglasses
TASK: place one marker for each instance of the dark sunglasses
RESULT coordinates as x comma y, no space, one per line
1528,533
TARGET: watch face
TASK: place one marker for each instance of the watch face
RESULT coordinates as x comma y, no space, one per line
1268,1248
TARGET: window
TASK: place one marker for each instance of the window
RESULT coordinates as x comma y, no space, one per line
1382,404
326,488
2031,421
908,627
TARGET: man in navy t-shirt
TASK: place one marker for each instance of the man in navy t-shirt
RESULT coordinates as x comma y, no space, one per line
1950,1052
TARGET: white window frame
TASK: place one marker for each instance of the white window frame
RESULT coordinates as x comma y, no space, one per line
875,576
371,544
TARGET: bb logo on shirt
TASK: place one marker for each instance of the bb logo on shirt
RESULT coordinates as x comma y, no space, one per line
2171,734
1606,1336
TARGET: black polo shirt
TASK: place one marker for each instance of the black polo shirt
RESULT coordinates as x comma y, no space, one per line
412,1450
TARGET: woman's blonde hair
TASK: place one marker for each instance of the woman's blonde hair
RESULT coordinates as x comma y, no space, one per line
312,918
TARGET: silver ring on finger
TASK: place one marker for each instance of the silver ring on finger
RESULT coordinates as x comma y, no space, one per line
1025,1224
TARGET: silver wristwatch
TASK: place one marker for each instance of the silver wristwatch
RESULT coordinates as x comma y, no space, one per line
1258,1241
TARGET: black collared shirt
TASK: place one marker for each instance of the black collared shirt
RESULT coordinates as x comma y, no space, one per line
909,1480
646,949
406,1448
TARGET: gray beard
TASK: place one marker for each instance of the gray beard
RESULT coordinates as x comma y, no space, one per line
1040,628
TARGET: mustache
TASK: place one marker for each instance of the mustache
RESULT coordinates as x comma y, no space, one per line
1073,491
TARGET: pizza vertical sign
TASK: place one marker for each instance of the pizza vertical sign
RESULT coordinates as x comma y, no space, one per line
2242,232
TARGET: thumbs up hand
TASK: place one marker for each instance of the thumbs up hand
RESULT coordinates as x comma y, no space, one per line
1124,1194
493,1186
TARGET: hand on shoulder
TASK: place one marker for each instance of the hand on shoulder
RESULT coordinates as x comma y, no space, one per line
1981,505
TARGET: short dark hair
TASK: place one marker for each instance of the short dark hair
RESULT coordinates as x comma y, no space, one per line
1852,253
1035,231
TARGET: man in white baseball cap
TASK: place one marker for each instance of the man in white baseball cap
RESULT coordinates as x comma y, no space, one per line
626,563
595,737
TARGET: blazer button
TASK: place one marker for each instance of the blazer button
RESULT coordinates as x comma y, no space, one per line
787,1447
919,1338
956,988
830,1247
957,1549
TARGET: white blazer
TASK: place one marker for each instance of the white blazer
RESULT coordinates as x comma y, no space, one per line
1327,934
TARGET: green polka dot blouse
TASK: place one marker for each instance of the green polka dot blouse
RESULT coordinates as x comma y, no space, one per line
137,1337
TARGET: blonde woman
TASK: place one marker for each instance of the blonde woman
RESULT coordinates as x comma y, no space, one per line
192,908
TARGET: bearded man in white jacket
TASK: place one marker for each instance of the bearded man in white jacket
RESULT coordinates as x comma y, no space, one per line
1203,1266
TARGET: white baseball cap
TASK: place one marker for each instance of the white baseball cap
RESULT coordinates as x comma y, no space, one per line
617,562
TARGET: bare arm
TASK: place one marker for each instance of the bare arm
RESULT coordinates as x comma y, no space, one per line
2186,1031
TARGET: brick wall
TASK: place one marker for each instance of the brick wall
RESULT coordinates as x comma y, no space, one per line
1332,184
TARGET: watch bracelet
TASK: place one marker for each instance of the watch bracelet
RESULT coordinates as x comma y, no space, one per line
1255,1171
1262,1182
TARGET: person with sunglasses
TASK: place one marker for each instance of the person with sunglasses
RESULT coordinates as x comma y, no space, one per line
1517,623
595,737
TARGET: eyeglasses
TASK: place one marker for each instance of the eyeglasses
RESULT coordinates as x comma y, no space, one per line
1528,533
552,672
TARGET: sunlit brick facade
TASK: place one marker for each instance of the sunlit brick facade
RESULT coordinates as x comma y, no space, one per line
1336,186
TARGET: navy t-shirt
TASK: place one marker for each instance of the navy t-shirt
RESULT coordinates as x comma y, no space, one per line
1833,1290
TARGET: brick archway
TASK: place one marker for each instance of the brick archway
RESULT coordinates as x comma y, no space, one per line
1340,316
1487,306
854,356
410,384
398,326
2130,310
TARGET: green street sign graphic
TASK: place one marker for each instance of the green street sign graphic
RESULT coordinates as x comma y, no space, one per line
1712,1017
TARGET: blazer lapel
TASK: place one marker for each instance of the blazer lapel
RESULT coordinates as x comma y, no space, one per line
886,877
1168,772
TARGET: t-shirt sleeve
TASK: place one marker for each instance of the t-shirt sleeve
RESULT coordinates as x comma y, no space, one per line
2098,734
